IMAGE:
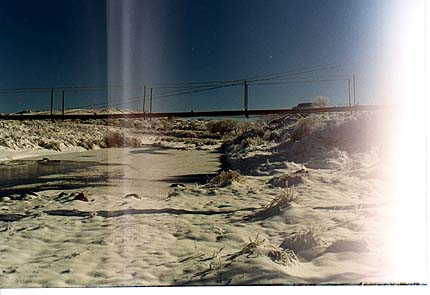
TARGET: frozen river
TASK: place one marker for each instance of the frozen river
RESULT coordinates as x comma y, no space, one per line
147,170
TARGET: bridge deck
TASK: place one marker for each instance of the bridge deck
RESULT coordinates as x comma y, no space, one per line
233,113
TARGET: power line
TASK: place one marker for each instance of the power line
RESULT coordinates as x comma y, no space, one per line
255,78
288,74
68,88
202,83
198,90
24,90
188,86
110,100
138,98
101,104
134,100
298,81
177,89
174,85
191,90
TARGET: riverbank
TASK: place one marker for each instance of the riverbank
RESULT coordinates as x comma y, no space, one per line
303,200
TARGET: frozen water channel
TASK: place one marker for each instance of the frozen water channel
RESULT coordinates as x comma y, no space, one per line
149,170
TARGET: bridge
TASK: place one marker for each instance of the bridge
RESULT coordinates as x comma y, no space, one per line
231,113
145,93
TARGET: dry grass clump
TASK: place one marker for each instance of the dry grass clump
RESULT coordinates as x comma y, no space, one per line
226,178
280,202
301,241
283,256
222,127
286,180
305,127
284,199
250,248
257,247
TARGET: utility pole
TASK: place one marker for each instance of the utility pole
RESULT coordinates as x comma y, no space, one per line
245,98
62,108
349,92
353,86
144,98
150,102
52,99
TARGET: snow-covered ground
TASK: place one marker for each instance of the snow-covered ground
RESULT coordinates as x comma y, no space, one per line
20,139
300,200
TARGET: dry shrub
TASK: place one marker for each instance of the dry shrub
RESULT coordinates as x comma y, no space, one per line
243,126
250,141
114,139
182,134
5,142
88,145
305,127
53,145
197,125
226,178
258,129
248,135
140,124
301,241
165,125
271,135
210,141
123,122
222,127
118,139
320,102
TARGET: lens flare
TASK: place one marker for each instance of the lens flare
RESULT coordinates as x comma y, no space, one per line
406,217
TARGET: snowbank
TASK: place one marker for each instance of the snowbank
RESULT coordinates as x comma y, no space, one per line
19,138
317,141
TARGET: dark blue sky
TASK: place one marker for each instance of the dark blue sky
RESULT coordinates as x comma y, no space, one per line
71,42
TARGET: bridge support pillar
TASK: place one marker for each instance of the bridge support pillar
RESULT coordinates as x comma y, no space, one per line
62,105
144,101
52,99
245,98
353,87
150,102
